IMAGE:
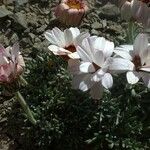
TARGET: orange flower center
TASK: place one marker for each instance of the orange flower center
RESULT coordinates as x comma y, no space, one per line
75,4
137,62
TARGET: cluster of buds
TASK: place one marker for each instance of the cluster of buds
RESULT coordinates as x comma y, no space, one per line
138,10
71,12
92,60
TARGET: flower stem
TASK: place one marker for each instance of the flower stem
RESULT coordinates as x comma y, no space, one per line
25,107
23,81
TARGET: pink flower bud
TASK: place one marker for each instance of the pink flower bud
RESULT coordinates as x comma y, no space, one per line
11,64
71,12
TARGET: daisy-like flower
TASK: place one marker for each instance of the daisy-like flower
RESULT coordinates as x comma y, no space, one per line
71,12
11,64
65,43
91,71
134,59
138,10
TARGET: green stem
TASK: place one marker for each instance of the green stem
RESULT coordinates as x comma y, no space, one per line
25,107
23,81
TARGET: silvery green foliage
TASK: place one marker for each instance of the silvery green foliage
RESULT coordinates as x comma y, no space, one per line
69,119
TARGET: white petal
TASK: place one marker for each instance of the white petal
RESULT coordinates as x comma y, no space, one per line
133,77
55,36
107,80
58,50
97,91
123,54
140,44
97,76
120,65
146,79
99,58
87,67
126,10
83,55
145,68
104,45
82,82
78,40
75,32
68,37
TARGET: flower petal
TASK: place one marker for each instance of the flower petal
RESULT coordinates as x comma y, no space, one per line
107,80
146,79
140,44
58,50
82,82
133,77
120,65
87,67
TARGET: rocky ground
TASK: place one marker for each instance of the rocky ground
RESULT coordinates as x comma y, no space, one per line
25,21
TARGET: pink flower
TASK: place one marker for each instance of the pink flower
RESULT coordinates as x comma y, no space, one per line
71,12
11,63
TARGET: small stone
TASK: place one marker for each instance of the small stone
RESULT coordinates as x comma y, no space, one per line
4,12
96,25
41,29
94,32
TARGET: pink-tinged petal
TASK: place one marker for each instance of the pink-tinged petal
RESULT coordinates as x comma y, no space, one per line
15,52
120,65
58,50
146,79
86,67
73,66
96,91
21,61
3,75
126,10
2,49
74,55
140,44
107,80
82,82
145,69
72,17
132,77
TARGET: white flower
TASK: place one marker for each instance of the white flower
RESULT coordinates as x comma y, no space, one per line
11,63
135,60
64,43
139,10
92,71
